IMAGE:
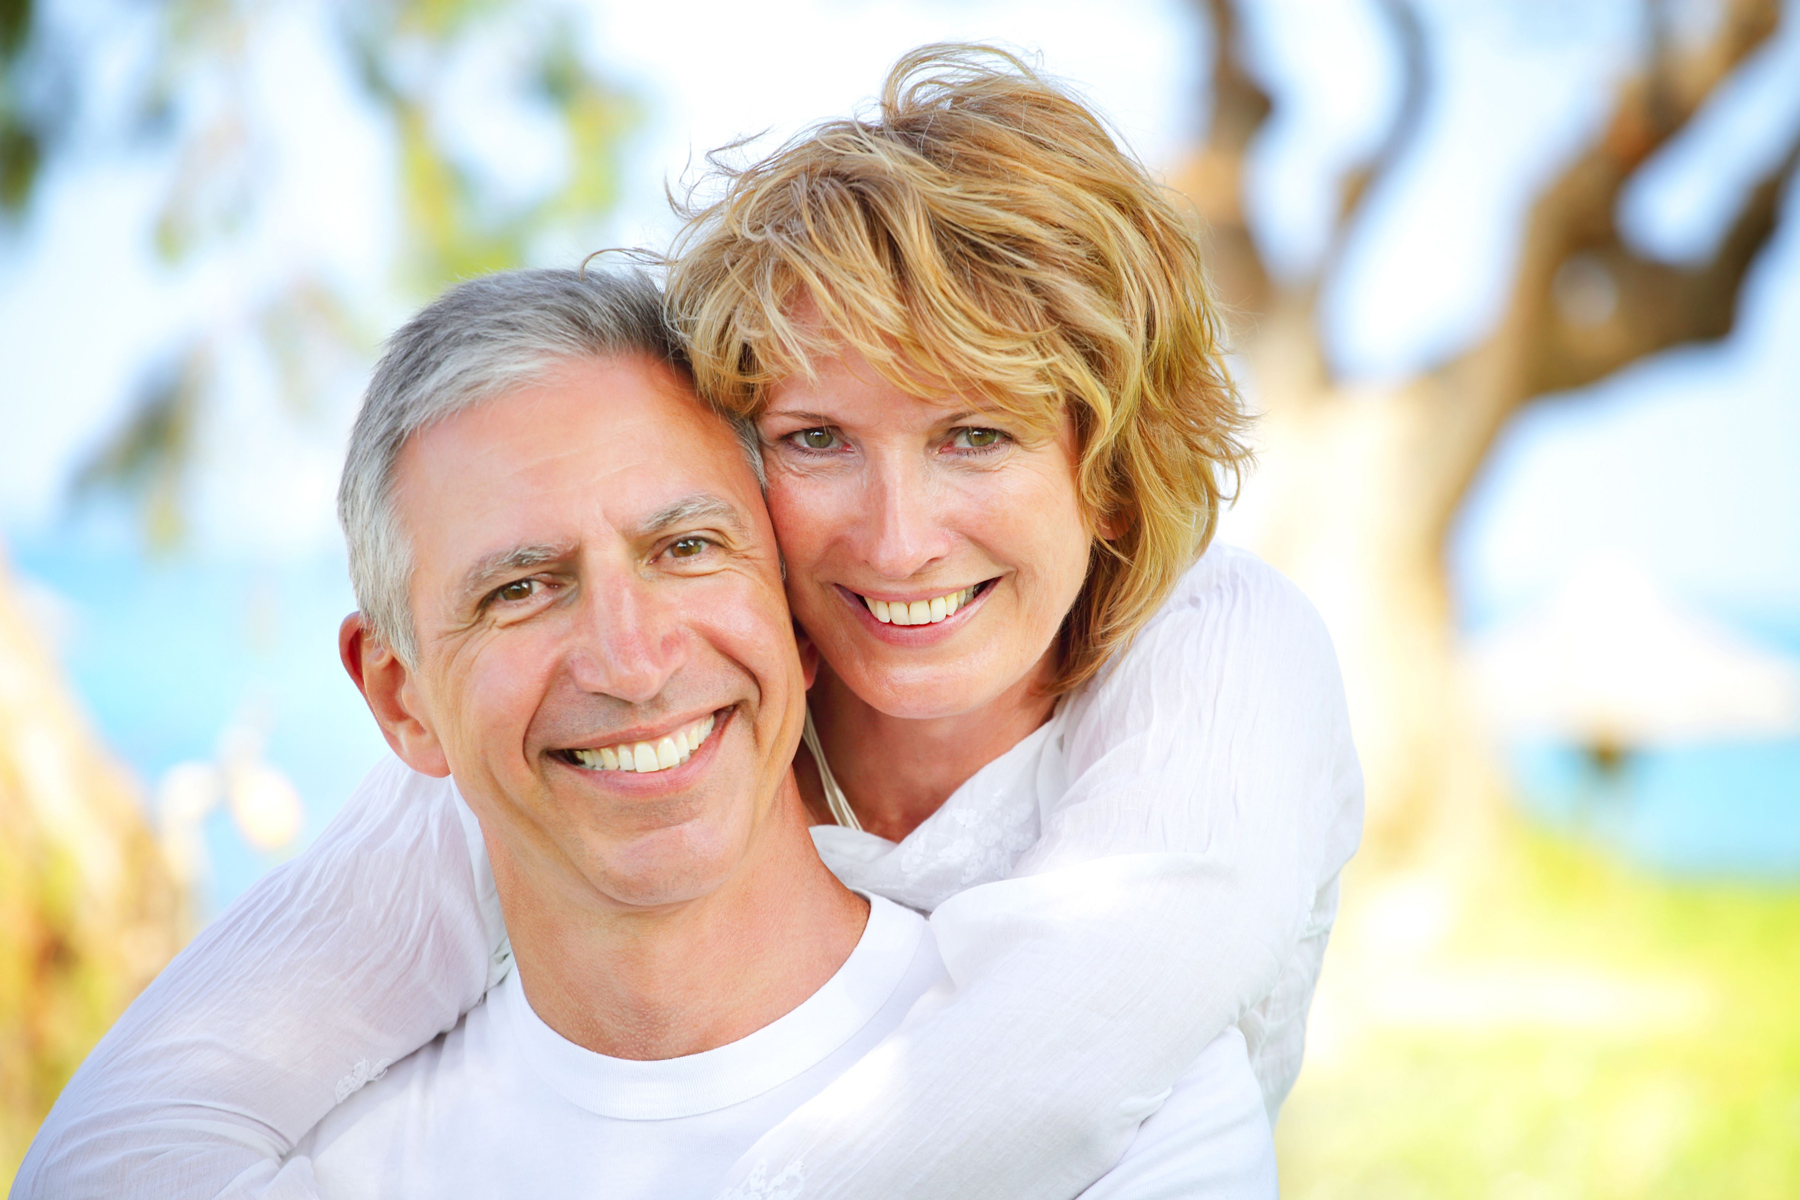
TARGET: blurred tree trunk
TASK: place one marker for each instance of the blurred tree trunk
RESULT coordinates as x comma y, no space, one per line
89,910
1356,488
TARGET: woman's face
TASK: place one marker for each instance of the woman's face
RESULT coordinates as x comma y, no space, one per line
931,552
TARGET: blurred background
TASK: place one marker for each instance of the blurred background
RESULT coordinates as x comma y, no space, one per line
1516,284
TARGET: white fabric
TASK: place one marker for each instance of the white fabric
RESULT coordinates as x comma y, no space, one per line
1155,864
503,1107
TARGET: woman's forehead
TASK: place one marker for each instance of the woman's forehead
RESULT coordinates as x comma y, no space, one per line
838,378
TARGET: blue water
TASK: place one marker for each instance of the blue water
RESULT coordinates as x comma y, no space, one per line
1722,810
167,653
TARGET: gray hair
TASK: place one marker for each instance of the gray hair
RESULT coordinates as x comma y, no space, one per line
476,342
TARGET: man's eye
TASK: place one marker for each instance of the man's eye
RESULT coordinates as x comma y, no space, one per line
976,439
814,439
688,547
518,589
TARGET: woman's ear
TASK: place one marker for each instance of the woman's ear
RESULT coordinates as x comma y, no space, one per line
1111,526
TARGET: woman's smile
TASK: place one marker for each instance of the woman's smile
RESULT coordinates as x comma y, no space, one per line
920,614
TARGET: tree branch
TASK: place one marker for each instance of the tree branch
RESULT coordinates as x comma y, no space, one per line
1214,177
1584,302
1415,83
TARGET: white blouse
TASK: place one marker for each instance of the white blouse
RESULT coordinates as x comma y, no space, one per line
1158,862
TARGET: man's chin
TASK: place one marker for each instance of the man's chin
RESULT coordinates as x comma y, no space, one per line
676,864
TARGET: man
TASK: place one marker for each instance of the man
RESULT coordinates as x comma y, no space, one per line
574,609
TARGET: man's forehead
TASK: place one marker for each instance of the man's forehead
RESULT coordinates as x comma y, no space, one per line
620,438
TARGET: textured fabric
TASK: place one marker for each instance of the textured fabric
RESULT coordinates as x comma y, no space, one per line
502,1106
1154,865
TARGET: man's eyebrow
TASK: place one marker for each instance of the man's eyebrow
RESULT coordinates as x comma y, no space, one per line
489,568
701,506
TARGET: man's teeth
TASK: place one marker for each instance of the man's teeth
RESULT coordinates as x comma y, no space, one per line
919,612
671,751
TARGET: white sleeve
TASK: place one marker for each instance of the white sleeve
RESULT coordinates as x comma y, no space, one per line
354,954
1213,796
1209,1141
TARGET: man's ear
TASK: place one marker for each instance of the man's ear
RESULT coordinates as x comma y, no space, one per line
391,691
809,656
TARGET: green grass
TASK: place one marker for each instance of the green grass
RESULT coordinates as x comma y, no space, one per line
1673,1070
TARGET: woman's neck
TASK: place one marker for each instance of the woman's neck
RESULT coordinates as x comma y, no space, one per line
897,771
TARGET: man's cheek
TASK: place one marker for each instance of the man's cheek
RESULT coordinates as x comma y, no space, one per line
498,697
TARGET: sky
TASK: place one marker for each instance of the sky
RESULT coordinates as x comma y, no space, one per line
1682,464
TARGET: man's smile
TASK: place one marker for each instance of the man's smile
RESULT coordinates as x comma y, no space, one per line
653,751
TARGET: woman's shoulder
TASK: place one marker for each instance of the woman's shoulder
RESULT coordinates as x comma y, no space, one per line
1231,593
1230,612
1226,577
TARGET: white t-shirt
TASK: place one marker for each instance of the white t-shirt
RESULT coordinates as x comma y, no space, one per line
1155,864
502,1106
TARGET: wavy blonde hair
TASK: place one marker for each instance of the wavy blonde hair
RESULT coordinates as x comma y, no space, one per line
982,232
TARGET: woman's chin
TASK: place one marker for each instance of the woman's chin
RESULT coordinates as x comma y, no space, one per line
922,693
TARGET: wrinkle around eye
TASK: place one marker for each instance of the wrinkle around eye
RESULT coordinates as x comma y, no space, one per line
496,608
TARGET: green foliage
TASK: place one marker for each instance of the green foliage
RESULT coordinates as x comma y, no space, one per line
15,23
1700,1099
144,458
19,158
452,221
21,149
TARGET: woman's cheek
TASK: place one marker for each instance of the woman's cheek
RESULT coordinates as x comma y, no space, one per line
807,517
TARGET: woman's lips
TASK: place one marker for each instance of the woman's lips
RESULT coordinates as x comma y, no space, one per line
934,610
918,612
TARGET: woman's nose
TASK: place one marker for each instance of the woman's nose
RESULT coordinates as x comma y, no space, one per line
901,527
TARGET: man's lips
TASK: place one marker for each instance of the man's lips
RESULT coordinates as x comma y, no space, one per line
920,610
650,752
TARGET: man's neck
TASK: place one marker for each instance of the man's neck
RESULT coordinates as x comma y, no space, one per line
691,977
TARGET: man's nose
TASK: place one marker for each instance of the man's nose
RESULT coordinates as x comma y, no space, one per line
627,643
900,531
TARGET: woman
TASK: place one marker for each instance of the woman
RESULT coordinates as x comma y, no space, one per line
976,344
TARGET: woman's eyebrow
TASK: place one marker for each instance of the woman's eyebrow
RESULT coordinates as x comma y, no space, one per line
799,414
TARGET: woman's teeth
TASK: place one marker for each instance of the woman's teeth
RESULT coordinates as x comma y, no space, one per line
919,612
642,757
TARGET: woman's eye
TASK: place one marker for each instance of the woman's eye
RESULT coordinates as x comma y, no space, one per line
688,547
977,439
518,589
813,439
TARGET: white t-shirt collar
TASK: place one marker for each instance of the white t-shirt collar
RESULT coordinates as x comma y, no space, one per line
659,1089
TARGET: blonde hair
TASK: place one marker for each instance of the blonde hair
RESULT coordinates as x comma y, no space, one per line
983,232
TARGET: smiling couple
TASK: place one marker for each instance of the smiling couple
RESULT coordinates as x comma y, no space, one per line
1032,904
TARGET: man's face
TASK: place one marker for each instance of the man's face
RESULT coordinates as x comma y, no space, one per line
596,578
